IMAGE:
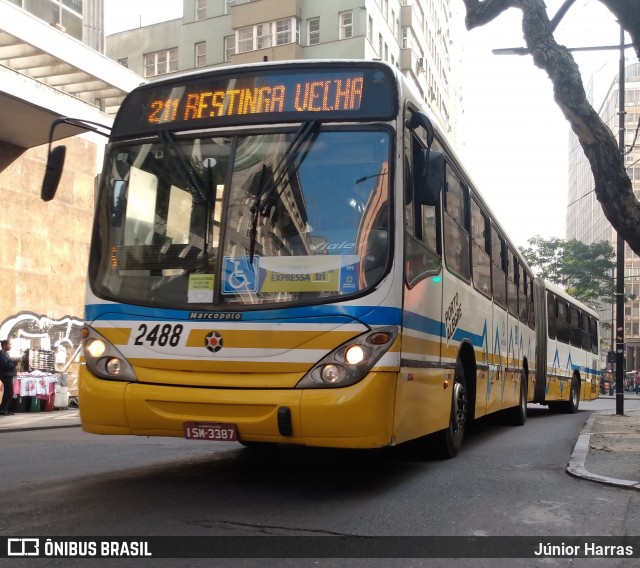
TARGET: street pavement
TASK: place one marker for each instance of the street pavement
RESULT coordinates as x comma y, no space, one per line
607,450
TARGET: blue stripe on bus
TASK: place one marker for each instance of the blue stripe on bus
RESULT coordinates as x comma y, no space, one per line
370,315
423,324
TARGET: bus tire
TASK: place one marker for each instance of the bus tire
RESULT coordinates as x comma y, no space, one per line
571,407
449,440
568,406
517,415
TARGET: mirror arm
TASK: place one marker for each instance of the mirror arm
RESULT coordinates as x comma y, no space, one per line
55,156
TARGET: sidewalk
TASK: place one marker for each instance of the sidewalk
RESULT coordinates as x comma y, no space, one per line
40,420
607,450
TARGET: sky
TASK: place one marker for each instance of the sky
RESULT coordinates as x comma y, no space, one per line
514,140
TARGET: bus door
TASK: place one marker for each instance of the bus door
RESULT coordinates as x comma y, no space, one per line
420,396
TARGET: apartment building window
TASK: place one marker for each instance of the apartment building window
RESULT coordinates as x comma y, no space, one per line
200,54
263,35
201,10
229,47
287,31
313,31
245,39
124,62
280,32
161,62
370,30
346,25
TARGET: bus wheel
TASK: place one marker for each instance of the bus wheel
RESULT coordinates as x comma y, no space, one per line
571,407
568,406
517,415
449,440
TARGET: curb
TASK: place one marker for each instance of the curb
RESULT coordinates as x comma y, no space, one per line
578,458
29,428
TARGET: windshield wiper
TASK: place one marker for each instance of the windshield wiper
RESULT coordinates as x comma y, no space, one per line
167,139
262,201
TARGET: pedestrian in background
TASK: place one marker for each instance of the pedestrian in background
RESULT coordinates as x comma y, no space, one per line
636,382
7,373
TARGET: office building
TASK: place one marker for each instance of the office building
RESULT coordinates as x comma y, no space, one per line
586,221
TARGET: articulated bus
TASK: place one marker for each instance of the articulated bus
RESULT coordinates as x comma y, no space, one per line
292,253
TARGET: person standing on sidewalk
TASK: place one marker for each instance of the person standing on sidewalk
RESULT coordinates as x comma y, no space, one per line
7,373
636,382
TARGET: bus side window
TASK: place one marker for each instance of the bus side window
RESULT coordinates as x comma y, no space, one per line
532,317
480,249
456,236
593,328
586,334
523,302
512,286
575,324
562,322
422,249
498,277
551,315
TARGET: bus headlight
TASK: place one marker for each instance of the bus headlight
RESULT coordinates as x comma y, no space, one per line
331,373
350,362
103,359
95,347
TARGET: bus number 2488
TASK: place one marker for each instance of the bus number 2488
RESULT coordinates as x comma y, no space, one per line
162,335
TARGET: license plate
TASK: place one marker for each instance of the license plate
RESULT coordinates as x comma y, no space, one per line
213,432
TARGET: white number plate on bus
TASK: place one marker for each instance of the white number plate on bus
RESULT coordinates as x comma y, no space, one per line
213,432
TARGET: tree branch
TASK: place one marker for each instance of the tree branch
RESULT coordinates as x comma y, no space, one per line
627,12
561,12
481,12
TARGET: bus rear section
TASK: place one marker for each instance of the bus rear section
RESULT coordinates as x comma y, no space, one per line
569,353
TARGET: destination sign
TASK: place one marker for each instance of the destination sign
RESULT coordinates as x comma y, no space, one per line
260,95
343,93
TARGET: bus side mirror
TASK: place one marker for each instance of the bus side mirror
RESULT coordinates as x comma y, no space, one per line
430,177
53,172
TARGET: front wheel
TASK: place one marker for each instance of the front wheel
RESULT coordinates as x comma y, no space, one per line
449,440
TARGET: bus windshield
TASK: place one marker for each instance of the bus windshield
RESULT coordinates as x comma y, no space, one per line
249,218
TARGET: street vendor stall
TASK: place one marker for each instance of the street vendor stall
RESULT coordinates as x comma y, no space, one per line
38,387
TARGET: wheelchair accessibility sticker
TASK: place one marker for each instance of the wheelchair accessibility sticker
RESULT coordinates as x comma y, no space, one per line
329,273
240,275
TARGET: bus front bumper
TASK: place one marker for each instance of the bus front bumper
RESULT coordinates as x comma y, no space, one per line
359,416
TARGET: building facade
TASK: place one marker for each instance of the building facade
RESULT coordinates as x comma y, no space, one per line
586,221
46,71
413,35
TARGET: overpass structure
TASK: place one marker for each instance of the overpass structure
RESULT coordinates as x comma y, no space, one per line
45,73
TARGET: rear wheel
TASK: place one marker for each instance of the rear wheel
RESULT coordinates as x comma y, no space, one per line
517,415
568,406
571,407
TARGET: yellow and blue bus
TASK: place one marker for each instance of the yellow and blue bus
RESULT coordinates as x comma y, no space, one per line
291,252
